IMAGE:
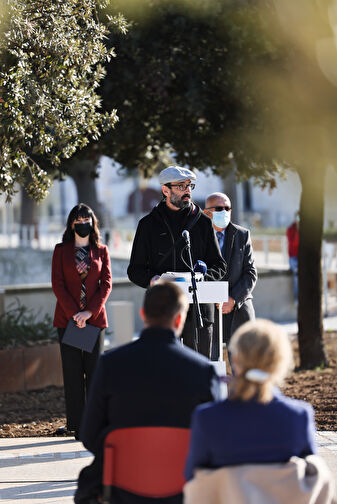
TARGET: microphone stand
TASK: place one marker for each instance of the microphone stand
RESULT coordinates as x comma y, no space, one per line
197,319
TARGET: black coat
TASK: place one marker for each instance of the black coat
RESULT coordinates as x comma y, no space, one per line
154,381
241,276
155,236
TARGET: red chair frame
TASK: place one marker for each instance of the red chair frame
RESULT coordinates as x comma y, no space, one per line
147,461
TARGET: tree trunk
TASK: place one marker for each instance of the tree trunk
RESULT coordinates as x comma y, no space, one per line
231,188
28,219
83,173
310,323
28,214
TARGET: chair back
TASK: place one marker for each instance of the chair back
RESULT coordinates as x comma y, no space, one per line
147,461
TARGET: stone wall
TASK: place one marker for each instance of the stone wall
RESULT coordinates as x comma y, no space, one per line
20,266
273,297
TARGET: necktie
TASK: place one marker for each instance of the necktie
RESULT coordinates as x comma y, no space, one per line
220,238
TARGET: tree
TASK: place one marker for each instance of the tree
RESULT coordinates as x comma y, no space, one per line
52,56
228,83
300,127
181,70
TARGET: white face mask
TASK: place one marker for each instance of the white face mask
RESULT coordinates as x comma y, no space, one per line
221,219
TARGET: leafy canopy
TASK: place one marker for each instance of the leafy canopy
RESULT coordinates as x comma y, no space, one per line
185,72
52,56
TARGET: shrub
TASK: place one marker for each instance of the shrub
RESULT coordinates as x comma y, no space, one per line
19,327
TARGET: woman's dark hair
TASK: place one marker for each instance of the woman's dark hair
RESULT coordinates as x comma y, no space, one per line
84,211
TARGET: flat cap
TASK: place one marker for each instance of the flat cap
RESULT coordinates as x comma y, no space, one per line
175,174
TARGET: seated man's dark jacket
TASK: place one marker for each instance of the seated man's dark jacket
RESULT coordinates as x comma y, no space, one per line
154,381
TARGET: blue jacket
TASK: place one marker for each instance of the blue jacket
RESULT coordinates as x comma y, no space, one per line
153,381
234,432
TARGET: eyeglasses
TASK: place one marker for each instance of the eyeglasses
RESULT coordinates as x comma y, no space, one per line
219,208
182,187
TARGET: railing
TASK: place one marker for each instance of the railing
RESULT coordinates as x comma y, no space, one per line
118,240
269,250
272,251
32,236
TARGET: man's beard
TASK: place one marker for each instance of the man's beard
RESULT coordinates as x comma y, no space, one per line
179,202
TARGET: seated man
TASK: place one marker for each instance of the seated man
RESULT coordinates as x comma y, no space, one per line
153,381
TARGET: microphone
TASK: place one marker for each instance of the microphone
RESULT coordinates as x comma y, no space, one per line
186,235
200,267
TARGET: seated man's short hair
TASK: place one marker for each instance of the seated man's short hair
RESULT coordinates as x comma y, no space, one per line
162,302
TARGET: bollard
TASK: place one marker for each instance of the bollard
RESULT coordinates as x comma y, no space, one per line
121,321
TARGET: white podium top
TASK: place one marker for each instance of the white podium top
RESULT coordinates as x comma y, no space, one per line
207,292
172,276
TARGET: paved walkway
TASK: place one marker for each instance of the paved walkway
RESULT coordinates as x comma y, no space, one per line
44,470
40,470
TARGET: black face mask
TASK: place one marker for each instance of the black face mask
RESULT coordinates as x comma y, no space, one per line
83,229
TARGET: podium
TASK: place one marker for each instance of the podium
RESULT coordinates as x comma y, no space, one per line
208,292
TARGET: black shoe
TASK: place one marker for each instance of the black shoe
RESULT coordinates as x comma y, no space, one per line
61,431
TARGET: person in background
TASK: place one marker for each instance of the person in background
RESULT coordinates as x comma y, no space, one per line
256,424
293,242
158,247
153,381
81,281
236,248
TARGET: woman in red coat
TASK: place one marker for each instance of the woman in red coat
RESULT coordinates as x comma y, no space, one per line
81,281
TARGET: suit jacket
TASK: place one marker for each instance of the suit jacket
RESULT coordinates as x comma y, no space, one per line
235,432
66,283
153,381
241,276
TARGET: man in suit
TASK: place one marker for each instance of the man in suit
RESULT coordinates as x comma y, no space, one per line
236,248
153,381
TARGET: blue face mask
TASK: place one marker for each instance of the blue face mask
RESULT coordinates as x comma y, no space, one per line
221,219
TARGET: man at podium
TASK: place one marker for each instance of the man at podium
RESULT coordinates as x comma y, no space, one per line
158,246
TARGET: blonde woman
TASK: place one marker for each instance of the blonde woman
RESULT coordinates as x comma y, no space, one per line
256,424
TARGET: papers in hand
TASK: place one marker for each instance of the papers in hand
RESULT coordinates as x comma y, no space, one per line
84,338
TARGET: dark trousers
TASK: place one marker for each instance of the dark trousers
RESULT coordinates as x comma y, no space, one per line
78,369
204,334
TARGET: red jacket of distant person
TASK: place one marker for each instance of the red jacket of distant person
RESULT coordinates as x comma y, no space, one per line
293,240
66,283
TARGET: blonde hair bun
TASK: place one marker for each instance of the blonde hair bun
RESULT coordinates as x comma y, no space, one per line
262,353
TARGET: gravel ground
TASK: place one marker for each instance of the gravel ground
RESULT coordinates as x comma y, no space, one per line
41,412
